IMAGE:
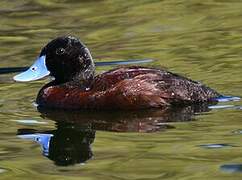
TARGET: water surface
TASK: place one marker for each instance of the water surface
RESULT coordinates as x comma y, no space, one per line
199,39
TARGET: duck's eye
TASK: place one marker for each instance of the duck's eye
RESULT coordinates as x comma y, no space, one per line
60,51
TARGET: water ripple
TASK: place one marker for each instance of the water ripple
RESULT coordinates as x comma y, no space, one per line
2,170
231,168
215,146
30,122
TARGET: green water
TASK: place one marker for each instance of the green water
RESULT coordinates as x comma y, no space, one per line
199,39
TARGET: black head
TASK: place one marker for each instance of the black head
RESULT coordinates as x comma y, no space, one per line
68,59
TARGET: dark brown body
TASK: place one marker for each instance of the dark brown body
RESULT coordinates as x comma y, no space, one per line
127,88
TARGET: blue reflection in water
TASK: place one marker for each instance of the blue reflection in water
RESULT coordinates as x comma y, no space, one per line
215,146
231,168
42,139
226,106
228,98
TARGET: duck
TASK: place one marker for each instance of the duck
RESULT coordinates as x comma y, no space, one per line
75,85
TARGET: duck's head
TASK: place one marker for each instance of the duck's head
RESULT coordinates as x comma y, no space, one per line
64,58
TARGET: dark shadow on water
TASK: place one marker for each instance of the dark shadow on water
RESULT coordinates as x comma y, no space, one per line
70,143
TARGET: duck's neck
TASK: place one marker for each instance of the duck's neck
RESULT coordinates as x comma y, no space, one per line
81,80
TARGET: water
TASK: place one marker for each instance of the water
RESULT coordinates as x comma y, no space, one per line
199,39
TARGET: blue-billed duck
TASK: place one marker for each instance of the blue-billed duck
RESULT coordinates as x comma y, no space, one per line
75,85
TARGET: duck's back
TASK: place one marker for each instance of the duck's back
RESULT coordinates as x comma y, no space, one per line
129,88
139,87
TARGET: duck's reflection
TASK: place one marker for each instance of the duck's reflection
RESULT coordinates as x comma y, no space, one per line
126,121
67,145
70,142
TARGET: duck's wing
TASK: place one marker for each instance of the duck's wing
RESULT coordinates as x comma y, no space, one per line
180,90
144,87
108,79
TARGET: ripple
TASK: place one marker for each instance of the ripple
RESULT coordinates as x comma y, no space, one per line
2,170
225,107
238,131
228,98
13,38
221,106
30,122
231,168
215,146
